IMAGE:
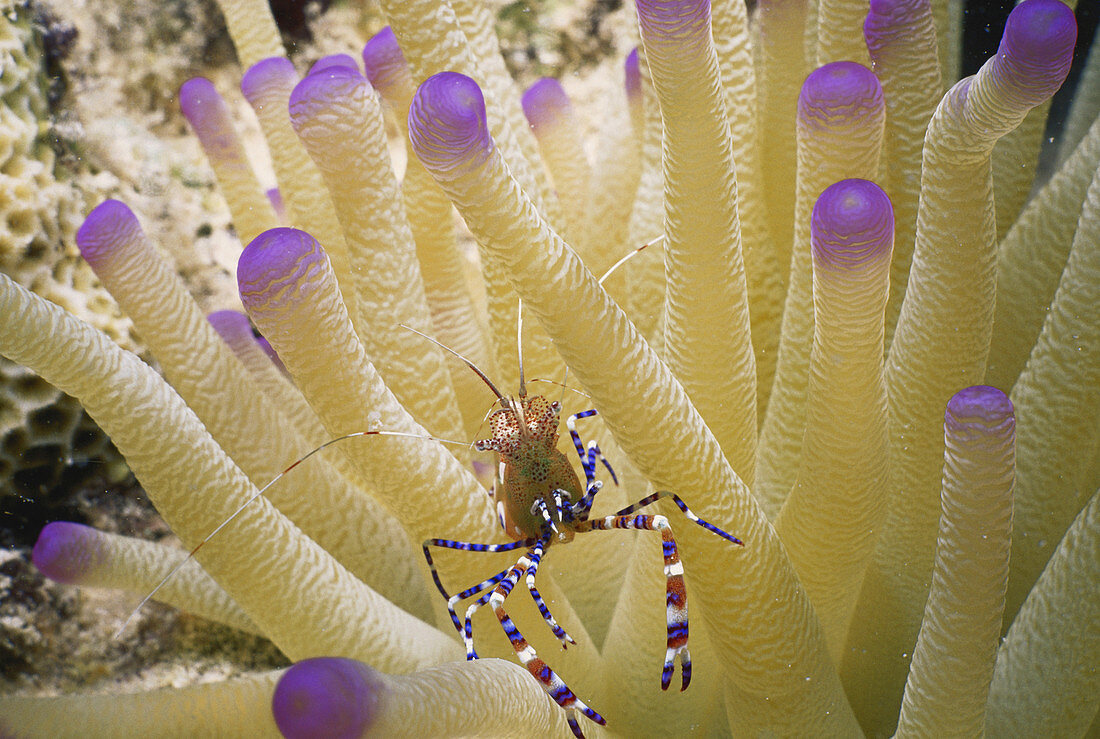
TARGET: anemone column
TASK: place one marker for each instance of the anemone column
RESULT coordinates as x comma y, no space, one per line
830,520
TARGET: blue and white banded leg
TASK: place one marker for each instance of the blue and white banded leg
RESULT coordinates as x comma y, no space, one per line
536,549
453,600
583,507
551,683
589,457
533,557
650,499
563,511
675,591
536,553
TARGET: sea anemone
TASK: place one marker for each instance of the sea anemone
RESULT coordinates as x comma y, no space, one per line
915,433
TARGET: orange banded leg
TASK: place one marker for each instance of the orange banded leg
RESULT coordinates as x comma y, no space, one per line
550,681
675,592
533,557
453,600
535,554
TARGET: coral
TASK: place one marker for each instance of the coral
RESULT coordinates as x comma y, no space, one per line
809,628
46,438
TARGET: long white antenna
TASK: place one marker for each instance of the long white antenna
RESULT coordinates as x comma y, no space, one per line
259,493
563,386
467,362
519,347
630,256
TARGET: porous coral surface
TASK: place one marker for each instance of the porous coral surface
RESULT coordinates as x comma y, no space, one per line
45,436
60,153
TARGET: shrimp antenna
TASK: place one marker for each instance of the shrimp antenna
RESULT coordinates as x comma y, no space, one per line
519,347
608,273
259,493
563,386
467,362
630,256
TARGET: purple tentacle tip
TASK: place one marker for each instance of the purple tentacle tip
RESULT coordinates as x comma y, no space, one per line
110,224
335,61
633,74
65,551
269,350
262,74
382,58
235,329
328,697
277,257
275,197
447,125
852,224
979,407
840,91
229,322
201,104
321,90
885,8
1037,48
545,102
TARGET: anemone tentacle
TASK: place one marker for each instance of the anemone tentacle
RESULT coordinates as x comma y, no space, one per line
763,265
782,68
342,697
901,39
433,39
645,296
605,351
829,521
1016,157
338,117
292,296
953,660
209,116
1058,397
1032,258
241,705
217,388
840,124
1053,635
456,322
267,86
550,114
299,593
707,337
75,554
614,180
